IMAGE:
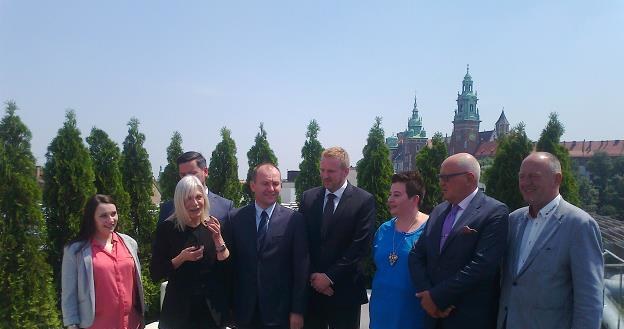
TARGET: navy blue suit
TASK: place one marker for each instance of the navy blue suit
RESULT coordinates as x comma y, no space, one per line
219,207
465,273
337,249
271,280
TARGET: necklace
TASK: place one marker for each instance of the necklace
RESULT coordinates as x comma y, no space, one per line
393,257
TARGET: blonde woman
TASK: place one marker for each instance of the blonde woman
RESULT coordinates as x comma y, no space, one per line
190,253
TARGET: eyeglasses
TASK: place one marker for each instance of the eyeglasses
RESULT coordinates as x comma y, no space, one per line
446,177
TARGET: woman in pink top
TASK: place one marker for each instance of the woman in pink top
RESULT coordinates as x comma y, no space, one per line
101,274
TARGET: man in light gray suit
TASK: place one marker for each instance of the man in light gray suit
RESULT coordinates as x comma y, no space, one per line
553,269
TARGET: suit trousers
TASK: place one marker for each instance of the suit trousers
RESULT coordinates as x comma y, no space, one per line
323,316
256,321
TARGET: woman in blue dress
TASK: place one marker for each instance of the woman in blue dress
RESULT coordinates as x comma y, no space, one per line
394,304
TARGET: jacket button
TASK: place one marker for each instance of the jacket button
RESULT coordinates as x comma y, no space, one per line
514,283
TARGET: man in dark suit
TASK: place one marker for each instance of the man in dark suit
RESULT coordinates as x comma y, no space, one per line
193,163
341,220
455,263
269,252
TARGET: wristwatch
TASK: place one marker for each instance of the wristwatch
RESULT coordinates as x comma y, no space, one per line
221,248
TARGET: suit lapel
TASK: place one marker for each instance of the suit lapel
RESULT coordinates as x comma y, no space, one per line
517,243
471,212
87,257
437,223
274,222
551,227
342,203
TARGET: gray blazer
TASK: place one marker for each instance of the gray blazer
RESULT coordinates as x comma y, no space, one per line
77,286
560,284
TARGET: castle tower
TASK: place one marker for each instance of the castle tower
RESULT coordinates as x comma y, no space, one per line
414,124
465,136
502,125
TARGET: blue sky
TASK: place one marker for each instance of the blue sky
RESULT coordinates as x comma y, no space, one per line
196,66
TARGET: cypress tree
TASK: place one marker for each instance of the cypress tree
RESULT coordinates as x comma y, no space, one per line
69,182
170,176
374,170
106,159
502,177
223,169
549,141
138,181
28,296
258,153
374,174
309,176
428,162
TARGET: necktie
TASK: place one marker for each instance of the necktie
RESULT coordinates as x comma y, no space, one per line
262,229
328,211
448,224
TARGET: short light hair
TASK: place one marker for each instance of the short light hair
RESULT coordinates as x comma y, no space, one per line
553,162
339,153
186,188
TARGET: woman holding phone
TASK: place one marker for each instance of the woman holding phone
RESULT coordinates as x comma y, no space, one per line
190,253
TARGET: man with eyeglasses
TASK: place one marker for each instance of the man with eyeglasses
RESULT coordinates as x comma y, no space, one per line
455,263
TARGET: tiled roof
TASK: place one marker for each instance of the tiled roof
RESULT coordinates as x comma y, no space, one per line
585,149
486,149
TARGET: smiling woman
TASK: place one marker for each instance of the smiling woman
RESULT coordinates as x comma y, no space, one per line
101,281
190,253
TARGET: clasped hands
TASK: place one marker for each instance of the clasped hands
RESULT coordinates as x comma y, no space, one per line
431,308
321,283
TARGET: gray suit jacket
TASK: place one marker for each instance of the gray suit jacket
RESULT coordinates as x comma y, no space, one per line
77,286
560,284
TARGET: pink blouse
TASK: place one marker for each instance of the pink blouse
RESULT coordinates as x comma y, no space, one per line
115,287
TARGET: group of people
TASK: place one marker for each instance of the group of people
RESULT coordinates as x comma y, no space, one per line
468,264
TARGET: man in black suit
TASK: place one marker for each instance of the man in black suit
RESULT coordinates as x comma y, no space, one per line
455,263
341,220
193,163
269,252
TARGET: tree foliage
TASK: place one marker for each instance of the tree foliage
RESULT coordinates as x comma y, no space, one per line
309,176
428,162
170,176
607,176
138,181
68,177
106,159
374,170
549,141
28,296
502,177
223,169
258,153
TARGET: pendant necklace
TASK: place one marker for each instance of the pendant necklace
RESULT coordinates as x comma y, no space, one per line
393,257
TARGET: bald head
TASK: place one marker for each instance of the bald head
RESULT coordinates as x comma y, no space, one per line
539,179
466,162
459,177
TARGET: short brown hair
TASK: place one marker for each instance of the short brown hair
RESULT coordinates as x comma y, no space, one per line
414,184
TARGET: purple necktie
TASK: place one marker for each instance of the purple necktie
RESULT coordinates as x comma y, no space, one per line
448,224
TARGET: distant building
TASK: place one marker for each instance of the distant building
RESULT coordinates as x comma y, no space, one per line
406,144
466,136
